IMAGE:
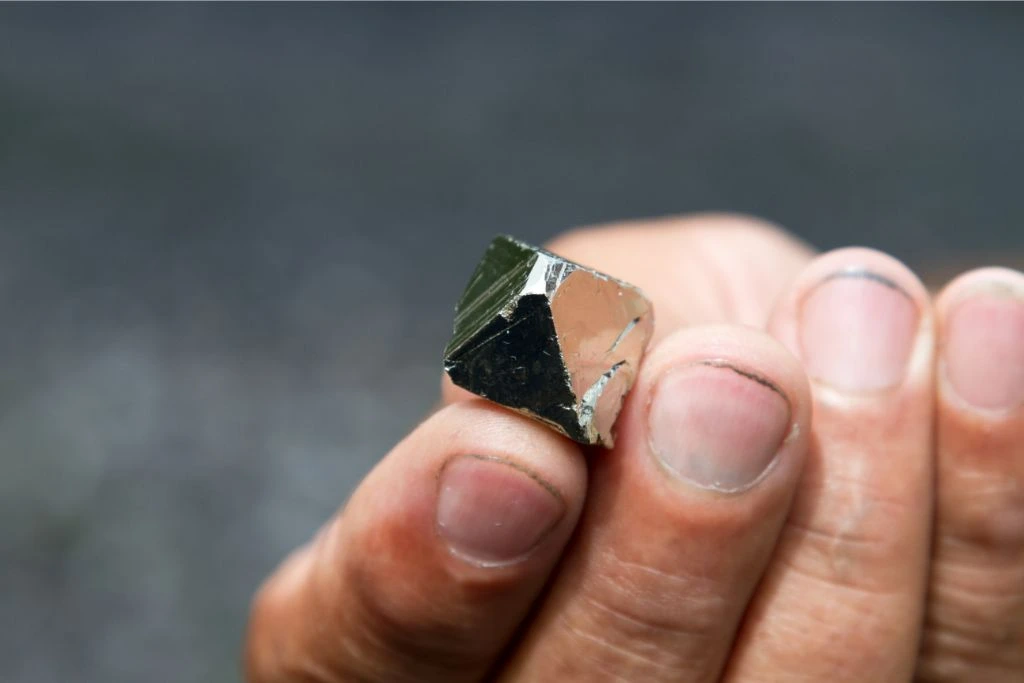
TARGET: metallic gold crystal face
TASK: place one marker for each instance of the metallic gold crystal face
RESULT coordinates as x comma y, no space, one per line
549,338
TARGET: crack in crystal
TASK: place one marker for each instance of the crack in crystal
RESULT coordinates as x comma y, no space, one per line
622,335
588,404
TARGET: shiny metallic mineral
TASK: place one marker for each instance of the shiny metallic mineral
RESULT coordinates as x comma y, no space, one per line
549,338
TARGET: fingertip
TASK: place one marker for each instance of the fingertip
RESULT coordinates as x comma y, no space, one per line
476,499
860,321
509,489
985,277
741,348
981,330
724,408
473,425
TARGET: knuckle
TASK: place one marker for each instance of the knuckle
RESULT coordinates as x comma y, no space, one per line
991,522
706,221
961,650
737,229
633,594
981,501
975,620
749,234
571,243
267,650
739,223
858,551
647,618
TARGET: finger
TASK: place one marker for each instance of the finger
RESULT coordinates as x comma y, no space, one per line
699,269
974,629
431,566
843,597
681,518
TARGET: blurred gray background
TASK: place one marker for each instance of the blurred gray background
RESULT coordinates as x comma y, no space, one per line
231,238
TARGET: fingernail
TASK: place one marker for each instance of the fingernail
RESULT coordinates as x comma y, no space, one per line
984,350
717,426
492,512
857,330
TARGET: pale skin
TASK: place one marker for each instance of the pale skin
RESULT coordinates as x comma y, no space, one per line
818,476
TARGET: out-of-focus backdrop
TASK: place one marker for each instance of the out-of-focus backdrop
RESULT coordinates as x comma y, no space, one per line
231,238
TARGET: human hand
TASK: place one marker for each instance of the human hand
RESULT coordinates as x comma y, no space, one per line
728,536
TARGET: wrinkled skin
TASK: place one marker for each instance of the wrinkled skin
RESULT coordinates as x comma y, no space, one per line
883,539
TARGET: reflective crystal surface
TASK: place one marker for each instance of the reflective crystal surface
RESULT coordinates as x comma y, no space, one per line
549,338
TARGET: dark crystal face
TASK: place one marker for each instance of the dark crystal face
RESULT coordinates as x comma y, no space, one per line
549,338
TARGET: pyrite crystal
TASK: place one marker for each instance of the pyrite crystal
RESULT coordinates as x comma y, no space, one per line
549,338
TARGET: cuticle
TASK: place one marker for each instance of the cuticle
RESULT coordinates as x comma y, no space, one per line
724,364
860,272
997,288
546,485
748,374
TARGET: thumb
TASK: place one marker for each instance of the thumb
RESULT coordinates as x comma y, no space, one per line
427,572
